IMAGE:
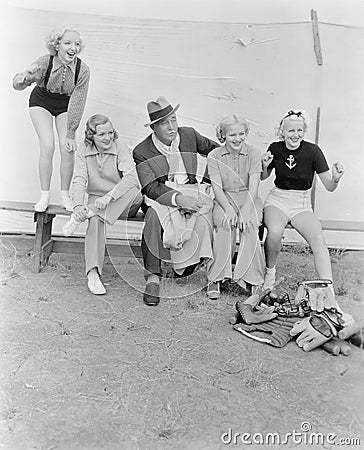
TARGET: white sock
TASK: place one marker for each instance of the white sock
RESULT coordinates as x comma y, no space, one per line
269,277
43,202
66,200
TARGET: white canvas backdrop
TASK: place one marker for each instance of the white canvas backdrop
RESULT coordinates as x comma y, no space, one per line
258,69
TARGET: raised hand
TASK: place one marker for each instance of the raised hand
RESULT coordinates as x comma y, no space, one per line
31,73
337,171
267,158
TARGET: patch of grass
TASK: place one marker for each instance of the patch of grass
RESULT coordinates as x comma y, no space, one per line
297,249
337,253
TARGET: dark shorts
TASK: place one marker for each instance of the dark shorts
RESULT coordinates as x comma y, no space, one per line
54,103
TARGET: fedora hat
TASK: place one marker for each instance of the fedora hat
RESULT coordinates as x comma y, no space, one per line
159,109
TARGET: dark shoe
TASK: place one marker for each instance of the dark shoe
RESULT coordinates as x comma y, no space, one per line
151,294
213,290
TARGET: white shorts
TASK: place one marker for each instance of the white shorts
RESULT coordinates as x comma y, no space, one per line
289,201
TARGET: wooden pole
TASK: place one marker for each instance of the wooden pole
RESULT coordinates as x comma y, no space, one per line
316,37
317,136
318,53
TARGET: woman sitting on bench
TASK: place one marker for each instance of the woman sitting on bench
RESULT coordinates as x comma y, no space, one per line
295,162
104,169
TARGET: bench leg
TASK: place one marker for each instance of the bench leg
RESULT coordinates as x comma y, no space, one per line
43,244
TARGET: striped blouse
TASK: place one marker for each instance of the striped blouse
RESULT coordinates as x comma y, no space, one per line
61,81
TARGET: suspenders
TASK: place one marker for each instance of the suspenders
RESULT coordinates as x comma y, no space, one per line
49,69
78,67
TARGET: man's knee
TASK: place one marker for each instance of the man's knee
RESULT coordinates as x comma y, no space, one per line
151,219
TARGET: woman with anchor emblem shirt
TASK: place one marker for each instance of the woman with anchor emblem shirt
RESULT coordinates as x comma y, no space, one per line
295,162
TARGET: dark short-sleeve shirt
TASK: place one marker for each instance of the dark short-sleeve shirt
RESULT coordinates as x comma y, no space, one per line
295,169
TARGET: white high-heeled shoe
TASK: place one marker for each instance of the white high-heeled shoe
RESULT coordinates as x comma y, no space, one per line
66,202
94,284
70,226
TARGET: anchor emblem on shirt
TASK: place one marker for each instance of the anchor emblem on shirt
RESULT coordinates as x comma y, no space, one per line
290,164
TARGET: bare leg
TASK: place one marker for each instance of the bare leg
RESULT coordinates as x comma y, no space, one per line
43,124
67,158
309,227
275,221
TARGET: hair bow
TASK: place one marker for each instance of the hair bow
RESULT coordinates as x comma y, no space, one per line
292,113
289,114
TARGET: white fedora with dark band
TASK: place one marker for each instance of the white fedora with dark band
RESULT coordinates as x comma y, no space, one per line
159,109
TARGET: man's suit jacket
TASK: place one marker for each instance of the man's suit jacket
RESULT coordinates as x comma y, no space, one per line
152,167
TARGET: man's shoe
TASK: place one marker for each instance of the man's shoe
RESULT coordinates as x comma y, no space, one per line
213,290
151,294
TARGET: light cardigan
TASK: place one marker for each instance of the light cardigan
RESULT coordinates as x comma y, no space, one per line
110,172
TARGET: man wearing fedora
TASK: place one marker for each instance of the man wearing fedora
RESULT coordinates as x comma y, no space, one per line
167,155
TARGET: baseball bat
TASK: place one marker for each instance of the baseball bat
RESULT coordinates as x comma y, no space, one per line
345,348
331,347
357,339
234,319
348,331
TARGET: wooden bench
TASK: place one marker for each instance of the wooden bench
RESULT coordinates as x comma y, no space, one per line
45,243
328,225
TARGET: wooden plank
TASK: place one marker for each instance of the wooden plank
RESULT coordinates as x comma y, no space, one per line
124,250
57,210
114,247
17,206
47,250
339,225
38,243
29,207
342,225
52,209
72,246
316,37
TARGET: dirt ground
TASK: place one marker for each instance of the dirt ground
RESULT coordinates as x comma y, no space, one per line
85,372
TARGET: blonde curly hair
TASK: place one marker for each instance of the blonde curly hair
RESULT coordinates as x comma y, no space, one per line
226,122
291,115
54,38
92,123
